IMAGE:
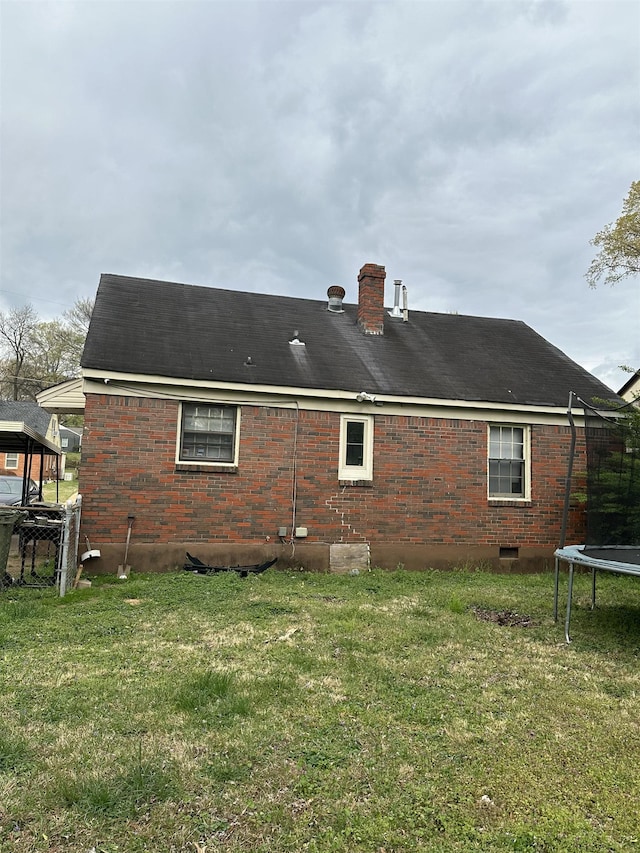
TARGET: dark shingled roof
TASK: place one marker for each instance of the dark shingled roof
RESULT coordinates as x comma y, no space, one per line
202,333
27,413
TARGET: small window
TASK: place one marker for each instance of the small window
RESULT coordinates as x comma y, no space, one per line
356,448
508,462
11,461
208,433
64,443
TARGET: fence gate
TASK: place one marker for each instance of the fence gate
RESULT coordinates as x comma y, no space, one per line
44,547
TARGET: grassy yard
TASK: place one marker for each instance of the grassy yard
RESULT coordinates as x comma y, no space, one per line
66,488
293,712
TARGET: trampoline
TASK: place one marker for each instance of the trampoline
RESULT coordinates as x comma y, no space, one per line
612,498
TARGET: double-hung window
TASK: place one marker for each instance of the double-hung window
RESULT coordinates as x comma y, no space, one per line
508,462
208,433
356,447
11,461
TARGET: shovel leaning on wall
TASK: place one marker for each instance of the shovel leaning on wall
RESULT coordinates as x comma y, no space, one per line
124,569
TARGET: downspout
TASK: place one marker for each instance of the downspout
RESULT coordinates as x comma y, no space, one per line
294,484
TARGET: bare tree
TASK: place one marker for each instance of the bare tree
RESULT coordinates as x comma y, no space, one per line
35,354
18,330
77,320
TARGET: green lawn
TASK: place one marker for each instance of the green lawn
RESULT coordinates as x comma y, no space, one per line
66,488
383,712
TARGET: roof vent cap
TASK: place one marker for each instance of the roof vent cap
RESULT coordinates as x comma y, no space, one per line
336,295
396,312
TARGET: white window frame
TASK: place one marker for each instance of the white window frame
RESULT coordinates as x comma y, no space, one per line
526,468
356,472
212,463
9,465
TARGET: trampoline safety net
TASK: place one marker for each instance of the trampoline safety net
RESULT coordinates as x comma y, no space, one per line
612,477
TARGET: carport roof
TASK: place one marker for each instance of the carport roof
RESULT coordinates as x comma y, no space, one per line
23,428
18,437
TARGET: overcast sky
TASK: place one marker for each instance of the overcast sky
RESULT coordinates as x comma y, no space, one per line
473,148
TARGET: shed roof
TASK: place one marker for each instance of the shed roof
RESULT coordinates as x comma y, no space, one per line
150,327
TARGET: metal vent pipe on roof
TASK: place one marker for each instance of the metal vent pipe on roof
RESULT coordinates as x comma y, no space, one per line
336,295
405,309
396,312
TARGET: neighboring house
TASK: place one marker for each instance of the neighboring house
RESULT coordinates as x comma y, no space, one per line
36,430
70,439
241,426
631,389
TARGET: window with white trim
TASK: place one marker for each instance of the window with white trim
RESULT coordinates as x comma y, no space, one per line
509,462
10,461
356,448
208,433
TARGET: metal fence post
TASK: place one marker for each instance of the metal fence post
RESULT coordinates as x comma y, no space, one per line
69,544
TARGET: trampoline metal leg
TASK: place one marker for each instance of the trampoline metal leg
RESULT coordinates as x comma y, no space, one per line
567,620
555,591
593,589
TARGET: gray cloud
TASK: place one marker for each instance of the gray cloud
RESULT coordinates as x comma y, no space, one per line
473,148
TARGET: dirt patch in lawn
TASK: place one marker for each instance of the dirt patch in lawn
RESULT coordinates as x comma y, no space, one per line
504,617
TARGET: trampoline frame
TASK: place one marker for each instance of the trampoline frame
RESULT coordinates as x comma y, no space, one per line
573,555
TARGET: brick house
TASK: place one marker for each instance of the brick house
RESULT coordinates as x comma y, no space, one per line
241,426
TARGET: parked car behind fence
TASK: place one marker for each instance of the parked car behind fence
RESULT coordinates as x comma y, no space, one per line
11,491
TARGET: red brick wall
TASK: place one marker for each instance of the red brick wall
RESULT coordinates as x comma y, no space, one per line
429,486
49,467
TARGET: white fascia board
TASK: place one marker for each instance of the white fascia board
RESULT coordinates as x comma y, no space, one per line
283,396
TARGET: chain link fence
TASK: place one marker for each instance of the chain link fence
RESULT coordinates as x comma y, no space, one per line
39,545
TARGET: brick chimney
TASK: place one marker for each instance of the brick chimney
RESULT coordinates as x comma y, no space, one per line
371,299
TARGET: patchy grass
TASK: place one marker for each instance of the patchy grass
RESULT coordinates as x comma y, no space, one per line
288,712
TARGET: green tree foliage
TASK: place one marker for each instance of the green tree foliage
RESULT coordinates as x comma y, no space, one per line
56,353
618,244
